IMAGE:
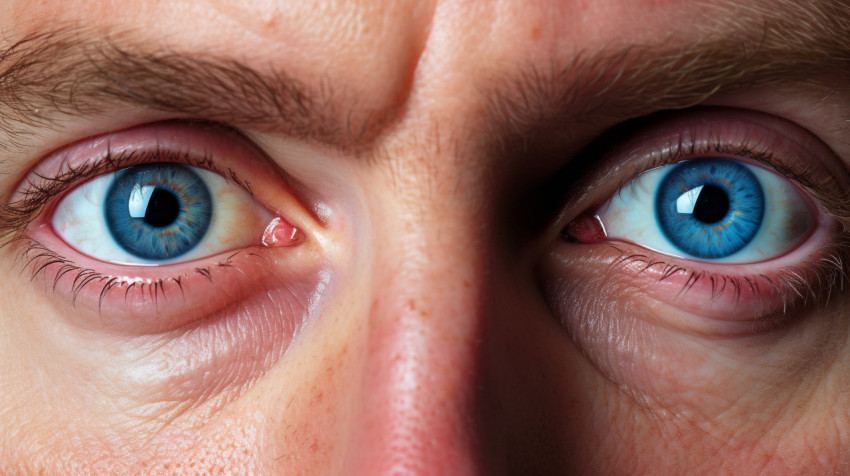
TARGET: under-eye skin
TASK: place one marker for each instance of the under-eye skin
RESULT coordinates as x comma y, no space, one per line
158,227
732,217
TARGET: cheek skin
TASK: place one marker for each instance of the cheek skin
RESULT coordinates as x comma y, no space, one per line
724,396
159,383
295,418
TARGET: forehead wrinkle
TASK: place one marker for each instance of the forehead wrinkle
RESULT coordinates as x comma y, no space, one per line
598,88
60,73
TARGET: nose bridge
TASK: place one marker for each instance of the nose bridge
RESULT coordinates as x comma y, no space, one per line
426,318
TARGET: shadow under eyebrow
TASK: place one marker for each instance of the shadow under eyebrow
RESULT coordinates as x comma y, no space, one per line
63,73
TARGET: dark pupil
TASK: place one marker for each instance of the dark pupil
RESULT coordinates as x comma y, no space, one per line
712,204
163,208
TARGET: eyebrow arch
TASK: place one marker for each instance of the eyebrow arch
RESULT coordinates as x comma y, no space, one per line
60,73
760,46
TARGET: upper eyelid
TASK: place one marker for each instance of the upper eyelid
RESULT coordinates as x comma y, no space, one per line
189,138
209,146
626,151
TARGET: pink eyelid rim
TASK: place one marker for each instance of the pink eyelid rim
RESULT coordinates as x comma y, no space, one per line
179,139
759,131
588,229
174,137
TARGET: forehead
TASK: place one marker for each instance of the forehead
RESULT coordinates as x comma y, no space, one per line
377,44
302,24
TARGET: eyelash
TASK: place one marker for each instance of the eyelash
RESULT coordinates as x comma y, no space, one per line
812,283
794,284
17,216
41,193
38,258
803,177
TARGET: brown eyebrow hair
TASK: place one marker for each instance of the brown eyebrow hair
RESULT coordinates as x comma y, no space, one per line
65,72
74,71
60,72
758,45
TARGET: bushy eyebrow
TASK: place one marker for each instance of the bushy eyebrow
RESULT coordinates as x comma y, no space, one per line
756,45
73,71
61,72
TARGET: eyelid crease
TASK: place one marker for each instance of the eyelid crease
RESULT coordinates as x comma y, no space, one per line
737,134
758,293
16,216
39,188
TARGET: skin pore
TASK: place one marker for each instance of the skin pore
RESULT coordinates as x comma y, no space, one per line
435,313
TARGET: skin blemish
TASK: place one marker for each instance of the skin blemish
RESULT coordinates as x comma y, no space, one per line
280,233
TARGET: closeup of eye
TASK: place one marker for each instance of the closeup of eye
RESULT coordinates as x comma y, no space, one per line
158,213
166,224
721,213
183,234
712,209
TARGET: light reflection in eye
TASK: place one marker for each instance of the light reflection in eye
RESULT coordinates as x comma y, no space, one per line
158,213
710,209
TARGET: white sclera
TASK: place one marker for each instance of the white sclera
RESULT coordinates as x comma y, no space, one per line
630,216
237,221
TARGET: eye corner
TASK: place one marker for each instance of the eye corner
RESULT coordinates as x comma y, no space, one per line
790,234
586,228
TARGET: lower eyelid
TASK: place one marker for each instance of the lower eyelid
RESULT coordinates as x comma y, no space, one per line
211,341
151,300
734,297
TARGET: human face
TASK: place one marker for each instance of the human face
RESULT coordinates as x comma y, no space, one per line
410,272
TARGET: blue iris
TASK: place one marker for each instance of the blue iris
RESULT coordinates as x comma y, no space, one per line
158,211
710,208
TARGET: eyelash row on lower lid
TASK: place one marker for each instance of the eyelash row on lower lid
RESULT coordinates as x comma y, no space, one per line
36,193
140,299
40,258
811,282
792,286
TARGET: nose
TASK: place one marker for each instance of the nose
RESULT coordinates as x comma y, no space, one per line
427,315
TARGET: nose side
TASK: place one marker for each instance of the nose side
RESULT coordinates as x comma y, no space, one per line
427,313
417,393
